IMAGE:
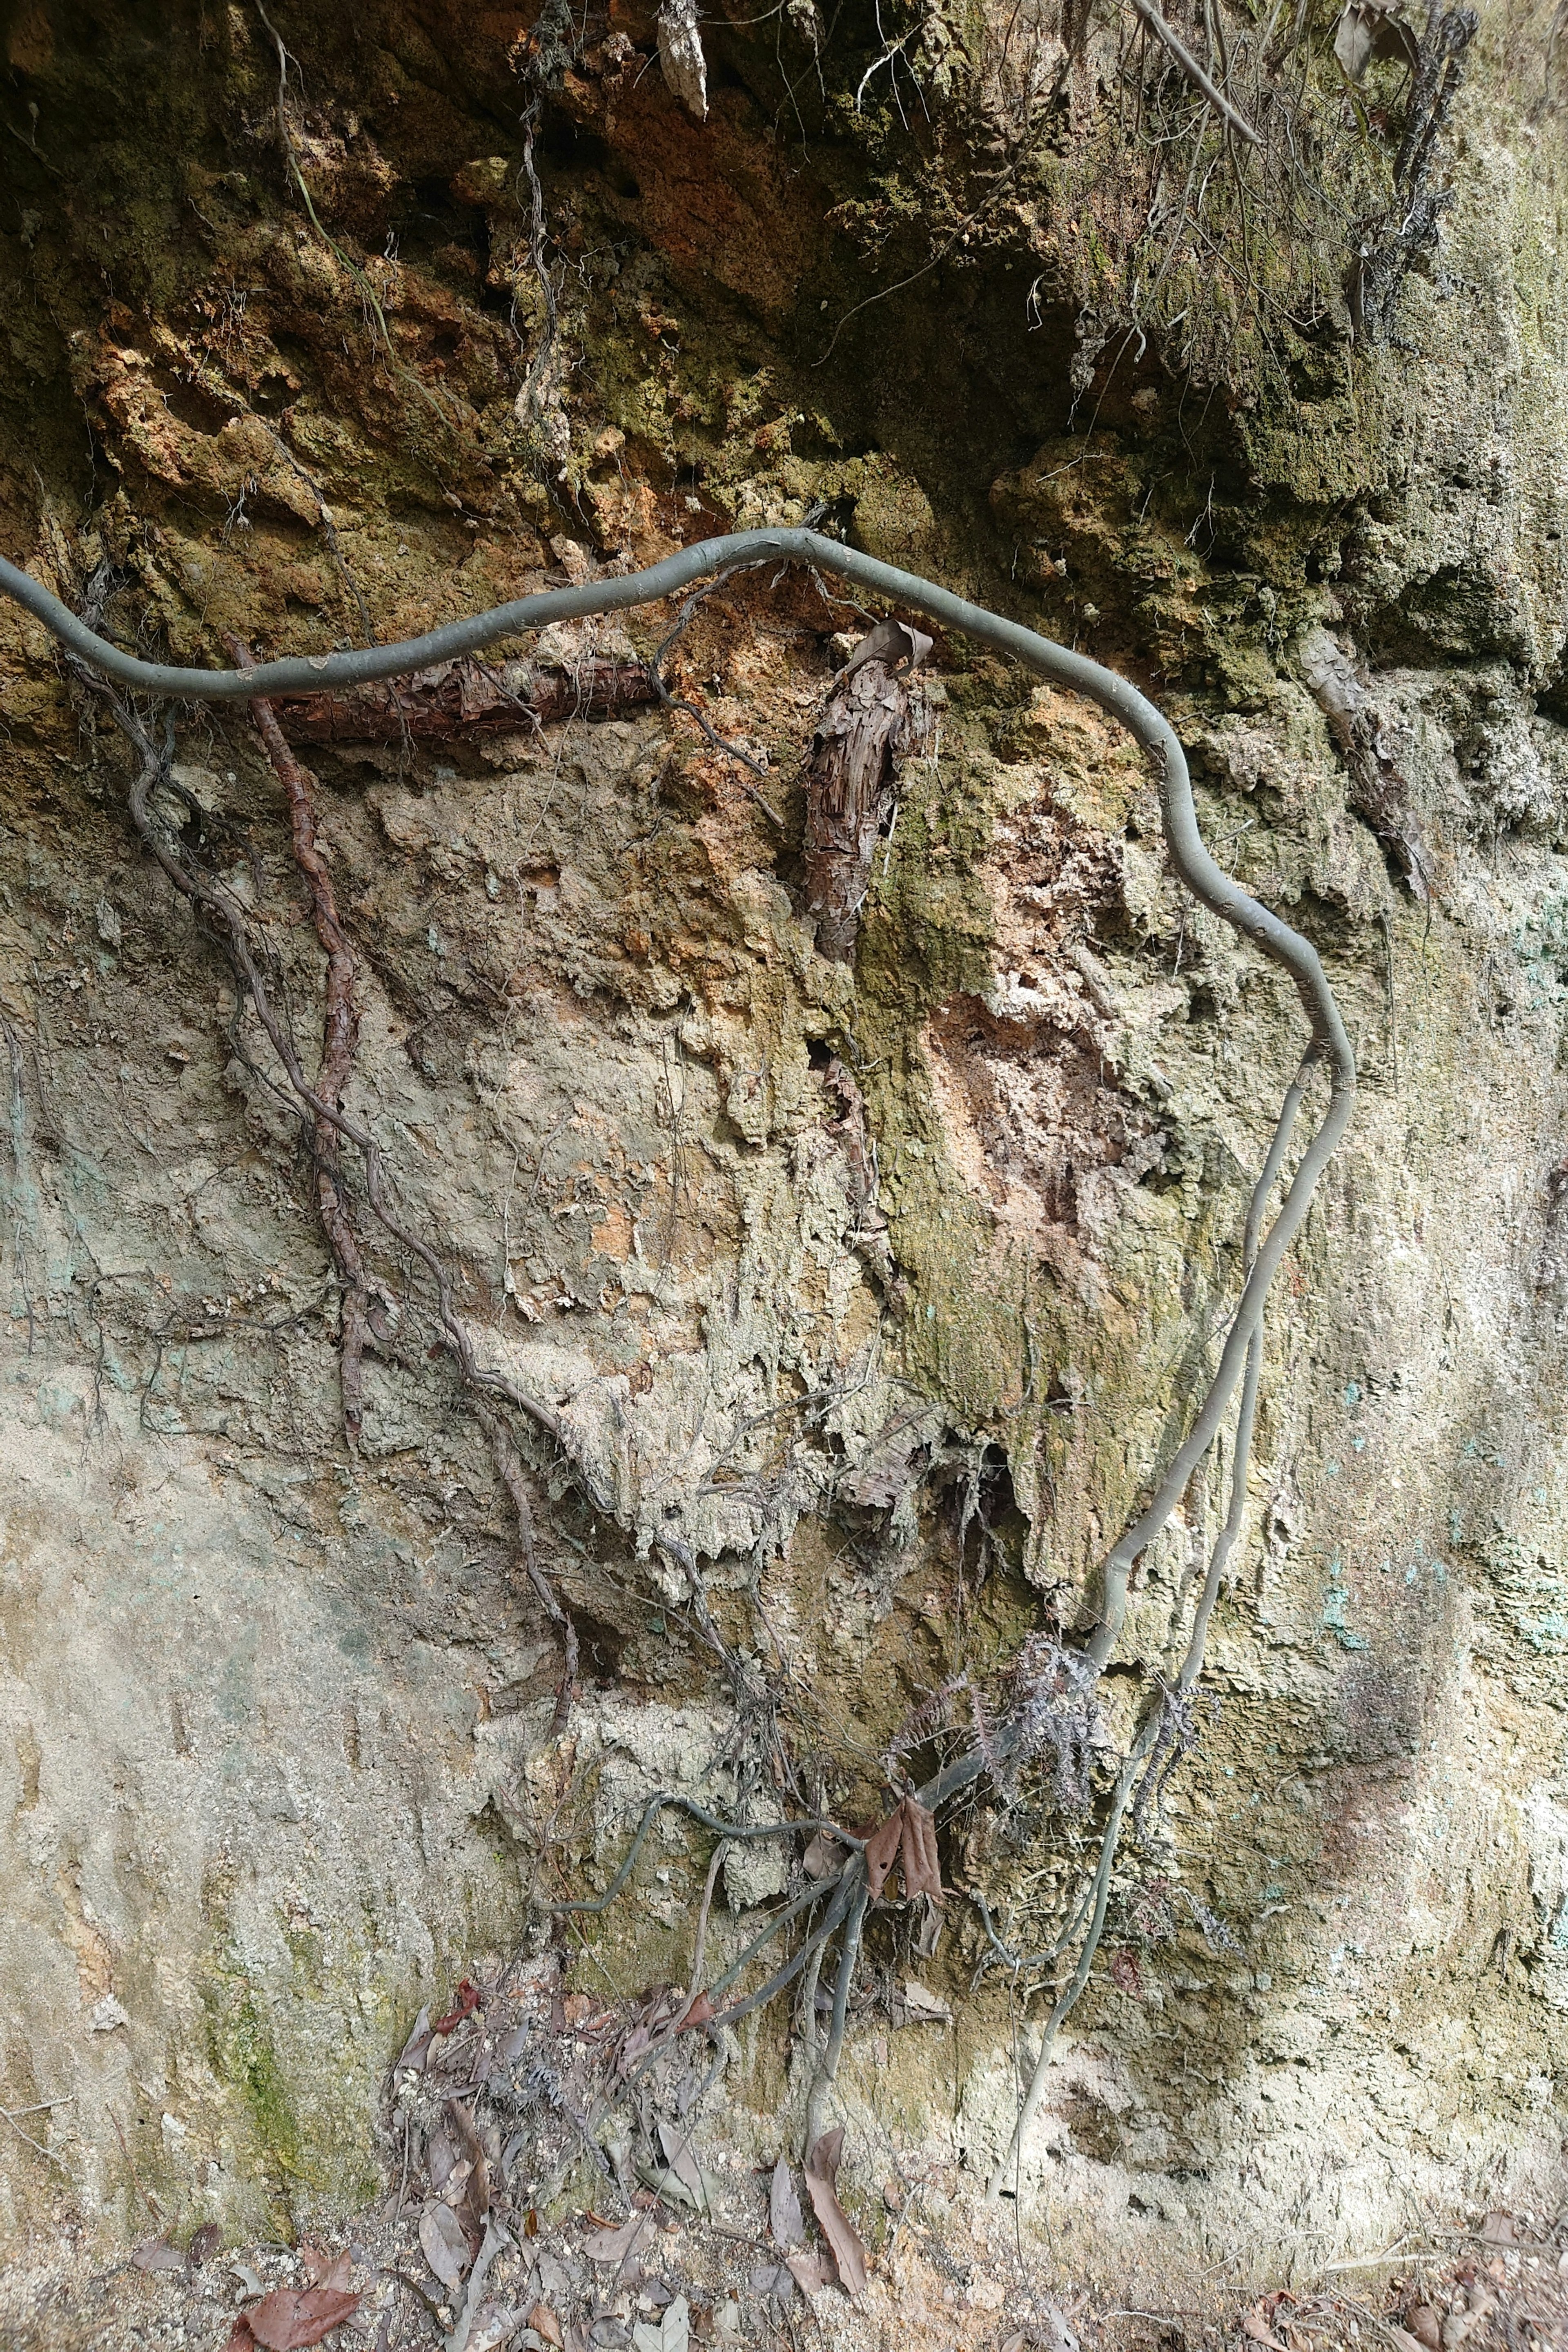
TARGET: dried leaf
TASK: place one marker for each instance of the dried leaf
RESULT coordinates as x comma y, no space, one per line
1425,2326
821,2173
440,2158
891,642
770,2278
637,2044
679,2181
445,2244
1500,2229
809,2272
922,2008
1254,2326
204,2243
497,2238
824,1856
616,2245
470,1997
502,2328
1374,28
672,2334
157,2254
287,2321
701,2012
475,2202
415,2049
326,2270
922,1868
882,1851
677,2146
544,2322
1051,2332
784,2216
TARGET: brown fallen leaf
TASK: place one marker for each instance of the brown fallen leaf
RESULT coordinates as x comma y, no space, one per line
922,1868
475,2202
288,2320
544,2322
810,2271
614,2245
1425,2326
784,2216
700,2012
823,1857
882,1851
322,2269
821,2173
637,2044
907,1837
444,2242
1254,2326
677,2155
204,2243
415,2049
157,2254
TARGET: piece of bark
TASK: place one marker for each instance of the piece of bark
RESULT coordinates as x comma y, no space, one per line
468,696
875,717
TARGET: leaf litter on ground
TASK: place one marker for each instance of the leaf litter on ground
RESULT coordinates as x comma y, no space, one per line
291,2319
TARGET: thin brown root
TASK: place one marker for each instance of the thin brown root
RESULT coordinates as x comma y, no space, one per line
510,1471
339,1034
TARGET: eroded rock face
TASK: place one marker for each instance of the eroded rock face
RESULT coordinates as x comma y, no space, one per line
860,1299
